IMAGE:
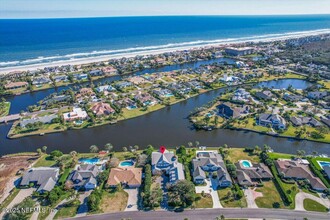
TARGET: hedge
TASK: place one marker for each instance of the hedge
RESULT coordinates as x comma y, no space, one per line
278,183
238,190
318,172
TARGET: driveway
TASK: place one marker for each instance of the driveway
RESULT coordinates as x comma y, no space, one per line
132,203
22,194
250,197
211,188
53,213
83,208
301,196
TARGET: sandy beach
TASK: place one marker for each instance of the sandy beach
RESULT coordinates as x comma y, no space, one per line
102,58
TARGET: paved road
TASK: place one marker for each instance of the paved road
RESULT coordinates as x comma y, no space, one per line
132,203
211,214
301,196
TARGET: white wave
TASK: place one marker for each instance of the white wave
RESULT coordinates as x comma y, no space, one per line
174,46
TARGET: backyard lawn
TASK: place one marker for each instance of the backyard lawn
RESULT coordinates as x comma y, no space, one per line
114,202
236,154
204,202
311,205
270,196
45,161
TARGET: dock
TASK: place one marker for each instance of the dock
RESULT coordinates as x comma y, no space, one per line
9,118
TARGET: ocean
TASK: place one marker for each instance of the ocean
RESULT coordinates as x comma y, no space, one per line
37,41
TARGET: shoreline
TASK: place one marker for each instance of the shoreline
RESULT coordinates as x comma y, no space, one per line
18,136
128,54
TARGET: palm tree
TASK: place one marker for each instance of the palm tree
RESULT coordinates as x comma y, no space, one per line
197,143
266,148
136,147
93,149
73,154
108,147
125,149
190,144
256,149
44,149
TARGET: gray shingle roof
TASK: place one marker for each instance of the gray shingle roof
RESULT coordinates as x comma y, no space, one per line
44,177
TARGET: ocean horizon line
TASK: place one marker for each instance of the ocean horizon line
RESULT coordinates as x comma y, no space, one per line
169,15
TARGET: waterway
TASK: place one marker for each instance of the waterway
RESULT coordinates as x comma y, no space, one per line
21,102
168,126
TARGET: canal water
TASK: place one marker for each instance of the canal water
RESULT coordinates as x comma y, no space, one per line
168,126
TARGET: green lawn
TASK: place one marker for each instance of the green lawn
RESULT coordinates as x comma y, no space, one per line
230,202
292,190
276,156
204,202
114,201
4,110
311,205
236,154
270,196
45,161
64,176
68,211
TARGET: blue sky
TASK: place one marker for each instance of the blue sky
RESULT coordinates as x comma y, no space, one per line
100,8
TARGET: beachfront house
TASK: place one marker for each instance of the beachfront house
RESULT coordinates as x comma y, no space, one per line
43,178
211,162
84,177
232,51
130,177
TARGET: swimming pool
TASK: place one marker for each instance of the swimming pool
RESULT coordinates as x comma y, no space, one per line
89,160
323,164
126,163
246,163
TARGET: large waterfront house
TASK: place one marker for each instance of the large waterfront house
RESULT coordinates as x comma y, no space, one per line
302,120
125,103
84,176
16,85
252,174
146,99
266,95
43,178
210,162
297,170
96,72
165,161
127,176
76,114
162,93
317,95
272,120
101,108
41,80
229,110
241,95
105,88
47,119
